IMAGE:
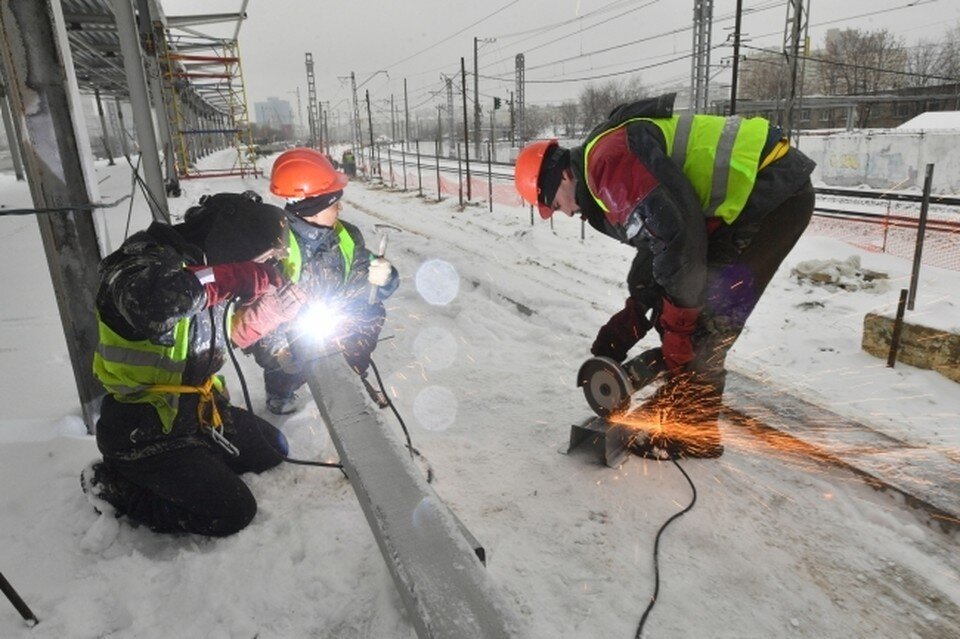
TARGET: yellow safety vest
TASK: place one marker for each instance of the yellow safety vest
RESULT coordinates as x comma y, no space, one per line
719,155
141,372
293,263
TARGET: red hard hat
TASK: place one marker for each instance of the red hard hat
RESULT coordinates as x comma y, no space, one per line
526,173
302,173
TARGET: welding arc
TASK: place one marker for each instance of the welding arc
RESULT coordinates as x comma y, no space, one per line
249,404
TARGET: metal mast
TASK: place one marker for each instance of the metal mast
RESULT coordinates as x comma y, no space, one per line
451,129
794,30
312,118
520,100
700,65
357,133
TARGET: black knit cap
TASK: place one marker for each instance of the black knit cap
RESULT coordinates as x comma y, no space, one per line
551,173
313,205
235,227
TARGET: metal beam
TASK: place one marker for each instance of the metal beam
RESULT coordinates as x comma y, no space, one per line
441,581
140,102
45,100
12,143
209,18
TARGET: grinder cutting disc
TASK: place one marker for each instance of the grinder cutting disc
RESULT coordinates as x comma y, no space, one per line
606,386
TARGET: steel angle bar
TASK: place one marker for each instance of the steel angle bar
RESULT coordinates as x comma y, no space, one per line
607,440
441,581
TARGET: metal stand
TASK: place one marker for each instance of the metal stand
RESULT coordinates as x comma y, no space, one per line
606,439
17,602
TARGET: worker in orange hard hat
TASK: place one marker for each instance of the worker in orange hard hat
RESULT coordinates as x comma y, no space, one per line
712,206
329,260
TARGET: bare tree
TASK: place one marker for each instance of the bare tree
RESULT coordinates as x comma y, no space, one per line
855,62
762,77
597,101
569,113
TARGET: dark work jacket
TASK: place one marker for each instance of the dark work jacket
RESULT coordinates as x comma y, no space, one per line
324,276
144,291
672,240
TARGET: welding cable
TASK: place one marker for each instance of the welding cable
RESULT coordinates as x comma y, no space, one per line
65,209
413,451
246,399
656,549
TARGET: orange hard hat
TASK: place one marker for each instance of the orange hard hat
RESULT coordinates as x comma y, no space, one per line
526,173
301,173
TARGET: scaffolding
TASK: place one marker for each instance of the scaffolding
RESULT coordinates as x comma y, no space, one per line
209,105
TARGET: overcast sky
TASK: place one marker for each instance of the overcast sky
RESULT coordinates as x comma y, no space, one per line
386,41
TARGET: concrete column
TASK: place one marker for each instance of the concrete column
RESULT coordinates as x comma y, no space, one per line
45,100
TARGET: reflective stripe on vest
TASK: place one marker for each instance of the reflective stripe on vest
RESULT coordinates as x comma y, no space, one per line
128,368
293,263
719,155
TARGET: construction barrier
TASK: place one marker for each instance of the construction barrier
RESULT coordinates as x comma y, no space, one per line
894,233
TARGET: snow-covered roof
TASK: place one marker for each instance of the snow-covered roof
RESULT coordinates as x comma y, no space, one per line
932,120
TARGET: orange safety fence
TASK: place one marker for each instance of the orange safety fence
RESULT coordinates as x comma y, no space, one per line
941,246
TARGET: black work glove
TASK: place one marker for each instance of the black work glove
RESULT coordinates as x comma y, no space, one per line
622,331
357,350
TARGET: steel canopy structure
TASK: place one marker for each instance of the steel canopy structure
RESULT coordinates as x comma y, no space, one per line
195,80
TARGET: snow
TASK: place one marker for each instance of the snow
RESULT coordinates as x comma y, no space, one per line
491,322
932,121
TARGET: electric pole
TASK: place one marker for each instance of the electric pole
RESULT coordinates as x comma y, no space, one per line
736,58
476,99
466,135
406,116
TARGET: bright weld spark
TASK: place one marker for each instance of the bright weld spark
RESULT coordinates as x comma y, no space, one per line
319,321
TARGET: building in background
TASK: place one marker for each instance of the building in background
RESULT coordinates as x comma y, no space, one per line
274,119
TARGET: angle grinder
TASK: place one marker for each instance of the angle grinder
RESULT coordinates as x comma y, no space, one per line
608,385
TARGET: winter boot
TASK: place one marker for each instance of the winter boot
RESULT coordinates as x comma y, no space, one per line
688,407
664,447
103,488
282,404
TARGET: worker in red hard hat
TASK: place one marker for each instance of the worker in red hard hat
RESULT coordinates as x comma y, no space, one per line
712,206
328,259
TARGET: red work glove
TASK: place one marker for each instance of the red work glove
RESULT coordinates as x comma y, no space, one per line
622,331
269,311
678,325
246,280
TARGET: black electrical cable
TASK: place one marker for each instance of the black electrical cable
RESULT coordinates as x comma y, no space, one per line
414,452
403,426
65,209
656,549
246,398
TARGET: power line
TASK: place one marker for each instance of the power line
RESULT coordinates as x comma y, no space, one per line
556,25
452,35
865,67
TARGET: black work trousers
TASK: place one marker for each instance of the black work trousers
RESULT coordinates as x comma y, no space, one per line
194,488
741,261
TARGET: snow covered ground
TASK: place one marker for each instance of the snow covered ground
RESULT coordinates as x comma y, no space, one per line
489,327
